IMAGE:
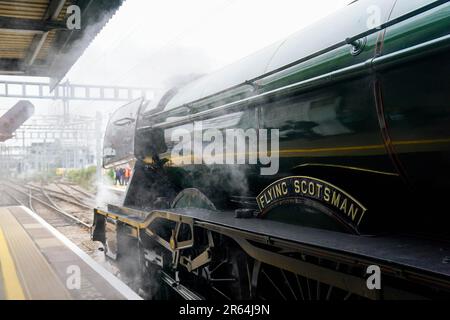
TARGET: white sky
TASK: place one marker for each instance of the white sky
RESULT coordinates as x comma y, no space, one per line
147,43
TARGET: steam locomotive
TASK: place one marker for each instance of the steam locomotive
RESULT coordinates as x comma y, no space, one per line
362,113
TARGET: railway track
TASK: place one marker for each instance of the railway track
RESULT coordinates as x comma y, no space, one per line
53,208
76,189
72,218
82,198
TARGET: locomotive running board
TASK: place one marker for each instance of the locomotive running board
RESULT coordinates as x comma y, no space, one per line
418,259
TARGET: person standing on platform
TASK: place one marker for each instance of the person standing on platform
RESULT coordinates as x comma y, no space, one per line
122,176
127,175
116,176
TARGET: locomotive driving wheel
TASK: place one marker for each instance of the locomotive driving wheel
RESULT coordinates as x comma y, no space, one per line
229,278
239,277
273,283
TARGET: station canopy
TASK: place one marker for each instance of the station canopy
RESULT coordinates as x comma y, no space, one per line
35,39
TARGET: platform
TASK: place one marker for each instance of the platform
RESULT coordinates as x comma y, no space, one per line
38,263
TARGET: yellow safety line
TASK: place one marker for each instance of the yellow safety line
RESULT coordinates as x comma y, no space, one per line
13,288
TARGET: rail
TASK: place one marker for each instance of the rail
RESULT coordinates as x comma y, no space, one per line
51,206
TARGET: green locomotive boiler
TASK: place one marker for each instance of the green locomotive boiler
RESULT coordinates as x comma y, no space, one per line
358,179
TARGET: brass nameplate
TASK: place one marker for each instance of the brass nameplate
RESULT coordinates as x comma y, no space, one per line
300,187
